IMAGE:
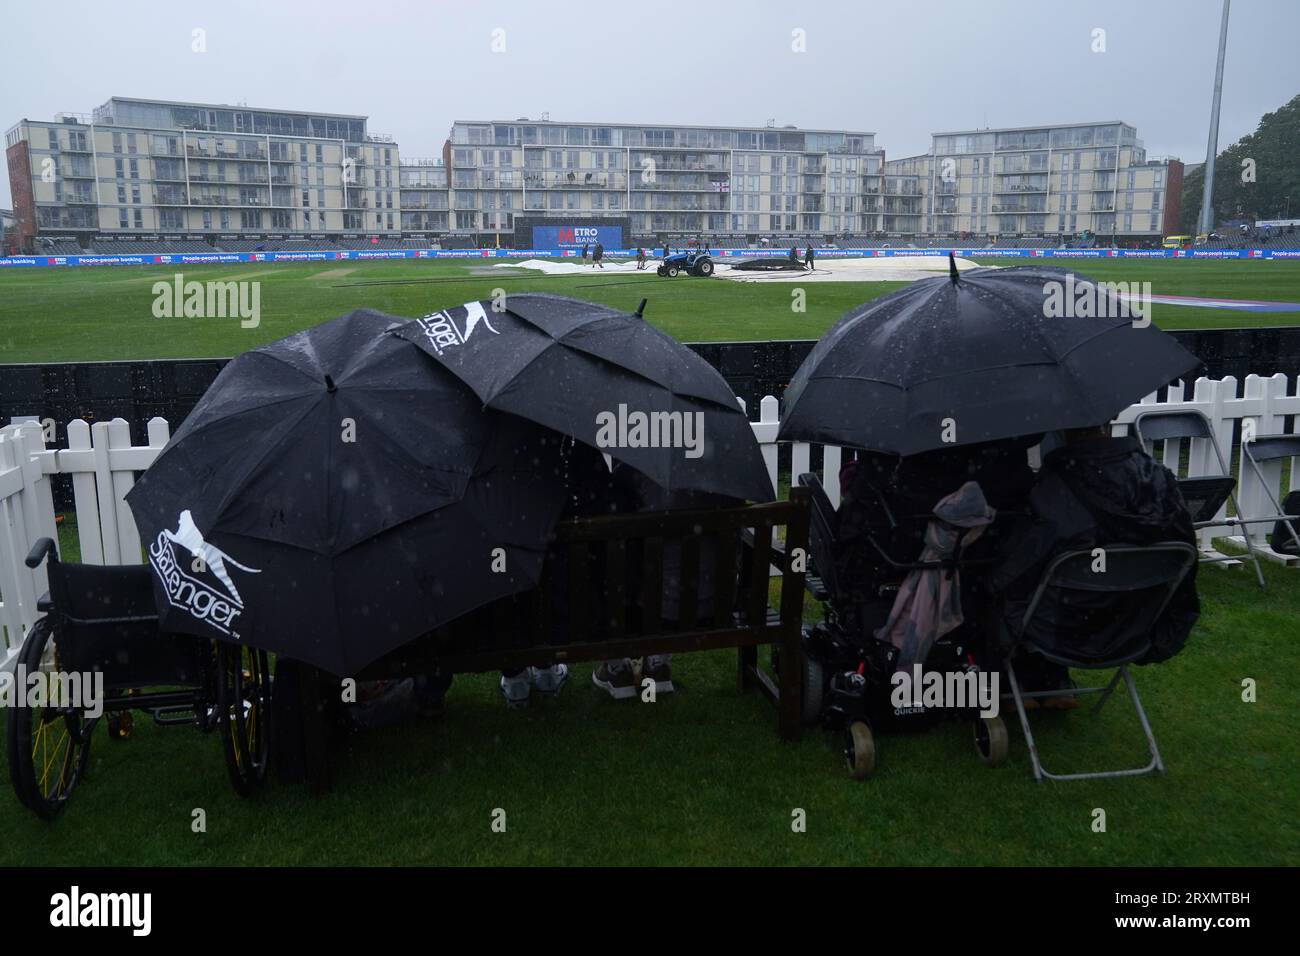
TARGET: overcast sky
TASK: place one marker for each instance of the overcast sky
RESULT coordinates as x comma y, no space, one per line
900,69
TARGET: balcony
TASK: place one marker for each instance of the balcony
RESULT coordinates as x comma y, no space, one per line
1020,188
79,199
258,156
76,173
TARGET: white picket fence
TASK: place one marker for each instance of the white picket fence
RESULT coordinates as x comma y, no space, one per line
104,464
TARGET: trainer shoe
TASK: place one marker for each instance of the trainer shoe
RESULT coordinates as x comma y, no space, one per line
616,678
658,667
549,680
516,689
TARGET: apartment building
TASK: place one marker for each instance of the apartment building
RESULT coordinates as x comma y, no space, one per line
1046,180
141,168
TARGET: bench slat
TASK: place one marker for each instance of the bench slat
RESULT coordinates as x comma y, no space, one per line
616,586
652,586
688,606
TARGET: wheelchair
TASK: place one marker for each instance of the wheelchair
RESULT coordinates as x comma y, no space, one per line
100,626
846,670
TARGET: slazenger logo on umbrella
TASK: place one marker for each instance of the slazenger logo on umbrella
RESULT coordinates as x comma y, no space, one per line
189,592
442,331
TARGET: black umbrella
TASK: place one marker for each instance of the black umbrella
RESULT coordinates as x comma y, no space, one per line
335,495
607,379
976,357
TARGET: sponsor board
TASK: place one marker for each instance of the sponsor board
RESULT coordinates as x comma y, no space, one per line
225,258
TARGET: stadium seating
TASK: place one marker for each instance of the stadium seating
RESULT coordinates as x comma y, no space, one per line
57,246
147,247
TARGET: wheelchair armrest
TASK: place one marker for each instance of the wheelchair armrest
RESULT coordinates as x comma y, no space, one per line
39,550
45,603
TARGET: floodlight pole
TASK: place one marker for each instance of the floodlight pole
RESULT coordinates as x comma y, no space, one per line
1207,197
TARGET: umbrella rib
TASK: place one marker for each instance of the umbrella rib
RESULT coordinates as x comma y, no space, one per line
252,468
226,418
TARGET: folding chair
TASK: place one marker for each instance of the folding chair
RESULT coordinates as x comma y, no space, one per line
1267,448
1158,569
1205,494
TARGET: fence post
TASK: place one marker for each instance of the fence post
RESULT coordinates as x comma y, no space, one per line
83,490
128,537
17,587
832,456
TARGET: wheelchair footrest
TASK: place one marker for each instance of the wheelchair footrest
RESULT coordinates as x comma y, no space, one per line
165,716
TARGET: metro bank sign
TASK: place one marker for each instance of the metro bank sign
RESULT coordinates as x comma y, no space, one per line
577,234
572,237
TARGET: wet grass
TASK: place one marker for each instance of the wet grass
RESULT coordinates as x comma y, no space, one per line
101,314
700,777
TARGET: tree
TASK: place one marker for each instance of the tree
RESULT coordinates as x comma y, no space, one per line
1260,188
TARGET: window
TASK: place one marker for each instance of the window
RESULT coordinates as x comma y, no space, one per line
121,194
117,142
139,219
170,219
281,219
135,195
320,154
320,199
135,169
118,169
122,219
207,219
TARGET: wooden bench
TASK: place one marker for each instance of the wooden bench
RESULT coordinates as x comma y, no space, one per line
602,596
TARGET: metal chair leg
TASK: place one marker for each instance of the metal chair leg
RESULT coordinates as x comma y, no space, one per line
1156,762
1024,722
1105,695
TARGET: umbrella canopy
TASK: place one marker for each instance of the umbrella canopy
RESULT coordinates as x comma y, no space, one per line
607,379
335,495
975,357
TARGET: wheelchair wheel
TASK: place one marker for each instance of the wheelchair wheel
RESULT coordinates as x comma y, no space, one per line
244,714
860,750
991,740
48,746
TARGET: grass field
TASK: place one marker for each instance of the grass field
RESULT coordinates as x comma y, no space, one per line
100,314
699,776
